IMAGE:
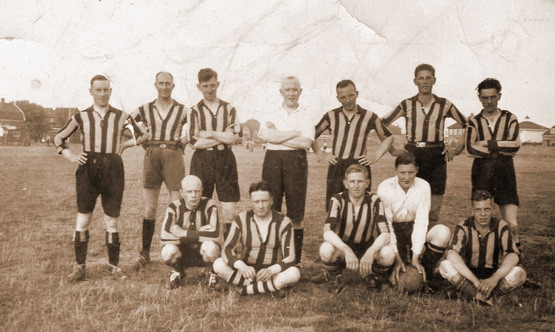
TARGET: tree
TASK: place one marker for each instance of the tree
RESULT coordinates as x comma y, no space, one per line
36,119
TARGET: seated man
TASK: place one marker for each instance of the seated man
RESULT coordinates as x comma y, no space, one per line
356,233
406,201
191,232
268,262
483,255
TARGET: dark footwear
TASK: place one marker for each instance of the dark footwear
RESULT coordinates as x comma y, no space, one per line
143,260
373,282
77,274
216,284
336,286
531,284
320,279
510,299
175,280
117,273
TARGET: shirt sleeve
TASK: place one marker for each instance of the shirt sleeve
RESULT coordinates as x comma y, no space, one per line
508,244
455,114
459,239
287,245
193,125
388,212
334,214
398,112
322,126
473,149
211,231
307,126
233,238
61,137
421,219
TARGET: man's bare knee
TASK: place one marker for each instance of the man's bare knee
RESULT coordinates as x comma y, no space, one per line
210,251
288,277
111,224
439,236
386,256
83,222
327,252
170,254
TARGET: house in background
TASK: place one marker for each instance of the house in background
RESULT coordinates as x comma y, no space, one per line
455,131
12,124
531,132
57,118
548,137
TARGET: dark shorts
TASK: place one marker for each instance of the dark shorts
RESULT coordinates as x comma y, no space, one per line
482,273
190,255
163,165
432,166
102,175
403,233
217,168
287,172
359,250
336,174
496,175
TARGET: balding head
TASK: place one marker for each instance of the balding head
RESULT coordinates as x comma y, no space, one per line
291,91
191,190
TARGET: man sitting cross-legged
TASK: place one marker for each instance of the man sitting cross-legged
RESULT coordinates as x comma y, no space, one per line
266,237
191,232
355,233
483,256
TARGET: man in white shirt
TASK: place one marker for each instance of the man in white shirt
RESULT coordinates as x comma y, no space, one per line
406,200
285,168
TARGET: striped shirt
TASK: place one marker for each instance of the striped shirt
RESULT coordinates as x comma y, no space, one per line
162,129
485,251
349,136
422,126
277,248
202,118
182,225
482,141
353,227
100,134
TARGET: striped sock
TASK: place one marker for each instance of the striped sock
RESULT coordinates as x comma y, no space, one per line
259,287
333,268
113,245
81,244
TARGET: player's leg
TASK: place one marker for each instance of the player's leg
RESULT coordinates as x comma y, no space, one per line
437,168
509,213
272,173
435,207
172,256
516,278
227,186
202,164
505,193
332,259
279,281
81,244
437,241
150,196
383,259
113,244
210,251
229,274
295,176
229,212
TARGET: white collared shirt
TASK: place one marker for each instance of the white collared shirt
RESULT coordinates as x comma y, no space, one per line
401,206
299,120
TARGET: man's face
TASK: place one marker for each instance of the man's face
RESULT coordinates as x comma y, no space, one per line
482,211
356,184
164,85
489,99
291,91
192,193
347,96
261,202
101,91
209,89
406,175
425,81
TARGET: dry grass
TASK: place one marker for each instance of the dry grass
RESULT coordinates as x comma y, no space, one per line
37,211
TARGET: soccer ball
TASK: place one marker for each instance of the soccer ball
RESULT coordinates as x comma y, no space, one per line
410,281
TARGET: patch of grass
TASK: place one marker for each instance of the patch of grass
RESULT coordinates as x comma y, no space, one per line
37,220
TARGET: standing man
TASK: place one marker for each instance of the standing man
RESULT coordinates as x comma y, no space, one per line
356,233
285,166
100,171
425,116
191,233
350,126
214,128
268,260
406,201
483,256
163,161
492,139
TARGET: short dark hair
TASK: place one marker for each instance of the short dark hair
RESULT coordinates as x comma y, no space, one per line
99,78
489,83
356,168
345,83
480,195
206,74
260,186
424,66
163,72
405,158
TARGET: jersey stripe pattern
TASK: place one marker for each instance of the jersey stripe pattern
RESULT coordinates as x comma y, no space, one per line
422,126
201,222
202,118
505,135
277,248
353,227
483,251
167,129
349,136
99,134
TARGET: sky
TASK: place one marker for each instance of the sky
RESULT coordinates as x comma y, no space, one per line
49,50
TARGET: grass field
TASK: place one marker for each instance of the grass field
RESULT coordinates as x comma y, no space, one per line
37,217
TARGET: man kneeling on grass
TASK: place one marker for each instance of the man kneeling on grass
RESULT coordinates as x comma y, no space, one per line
483,256
191,232
356,233
266,236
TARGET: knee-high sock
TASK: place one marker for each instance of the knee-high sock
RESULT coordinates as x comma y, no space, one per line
298,236
113,244
81,244
148,233
333,268
431,257
259,287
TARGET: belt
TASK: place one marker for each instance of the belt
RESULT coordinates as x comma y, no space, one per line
427,144
164,145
